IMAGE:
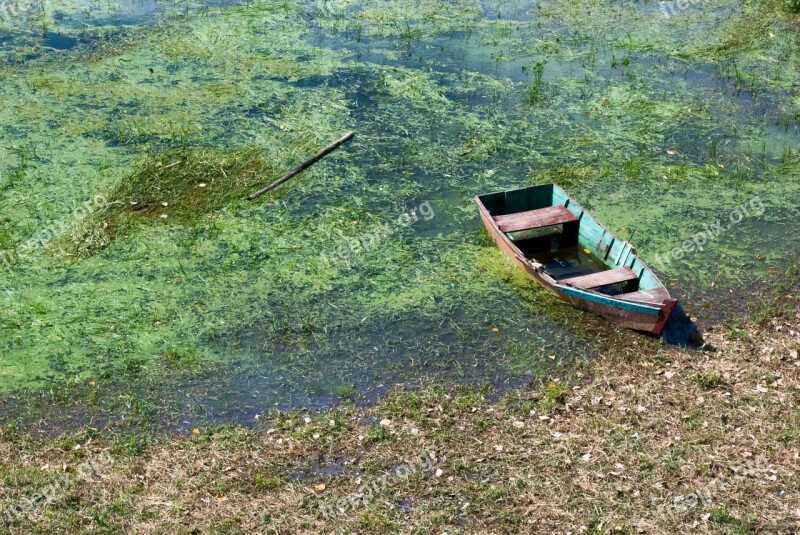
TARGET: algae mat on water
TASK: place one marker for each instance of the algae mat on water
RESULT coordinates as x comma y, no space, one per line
184,301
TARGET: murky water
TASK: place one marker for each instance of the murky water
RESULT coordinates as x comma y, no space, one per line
224,313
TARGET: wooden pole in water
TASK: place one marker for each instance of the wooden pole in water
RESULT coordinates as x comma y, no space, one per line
303,166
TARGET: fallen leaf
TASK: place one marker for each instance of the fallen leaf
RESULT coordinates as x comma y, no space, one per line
495,330
195,431
587,251
320,488
672,152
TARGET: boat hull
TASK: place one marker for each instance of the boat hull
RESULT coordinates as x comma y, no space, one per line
647,312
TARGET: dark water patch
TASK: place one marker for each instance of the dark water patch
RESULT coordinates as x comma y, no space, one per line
59,41
366,359
54,47
134,13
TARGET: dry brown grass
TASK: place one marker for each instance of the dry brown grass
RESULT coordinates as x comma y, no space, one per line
679,441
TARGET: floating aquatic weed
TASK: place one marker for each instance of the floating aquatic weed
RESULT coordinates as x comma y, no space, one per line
534,93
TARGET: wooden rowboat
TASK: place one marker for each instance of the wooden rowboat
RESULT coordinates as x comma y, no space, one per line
563,248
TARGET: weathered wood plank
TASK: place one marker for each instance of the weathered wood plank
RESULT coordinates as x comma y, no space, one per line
543,217
656,295
595,280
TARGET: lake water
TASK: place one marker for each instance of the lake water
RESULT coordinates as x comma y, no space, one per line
660,125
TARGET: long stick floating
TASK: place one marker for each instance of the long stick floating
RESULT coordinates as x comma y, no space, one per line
303,166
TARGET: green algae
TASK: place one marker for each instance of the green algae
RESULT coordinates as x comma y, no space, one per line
237,297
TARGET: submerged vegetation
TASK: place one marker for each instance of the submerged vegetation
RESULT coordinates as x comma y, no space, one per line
176,184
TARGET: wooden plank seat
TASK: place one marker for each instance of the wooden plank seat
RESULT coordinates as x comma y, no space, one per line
543,217
603,278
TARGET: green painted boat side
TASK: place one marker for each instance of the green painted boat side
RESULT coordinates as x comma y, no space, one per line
606,300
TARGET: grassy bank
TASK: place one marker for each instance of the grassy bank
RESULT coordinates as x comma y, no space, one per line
703,440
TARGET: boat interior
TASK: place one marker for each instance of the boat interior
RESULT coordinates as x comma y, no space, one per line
547,226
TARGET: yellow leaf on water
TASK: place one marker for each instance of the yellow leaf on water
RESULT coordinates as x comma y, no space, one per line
587,251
